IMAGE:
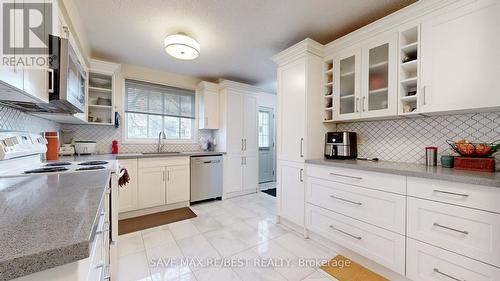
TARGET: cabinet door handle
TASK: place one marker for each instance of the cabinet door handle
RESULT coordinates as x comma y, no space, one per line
424,88
451,193
346,233
451,228
301,175
346,176
346,200
168,175
242,161
301,147
163,176
51,81
363,104
356,105
447,275
242,145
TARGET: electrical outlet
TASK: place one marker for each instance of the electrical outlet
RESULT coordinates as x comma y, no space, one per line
360,139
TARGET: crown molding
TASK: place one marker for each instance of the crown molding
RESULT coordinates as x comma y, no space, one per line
304,47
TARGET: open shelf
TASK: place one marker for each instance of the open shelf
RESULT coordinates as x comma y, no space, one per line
410,48
97,89
100,99
409,71
328,92
100,106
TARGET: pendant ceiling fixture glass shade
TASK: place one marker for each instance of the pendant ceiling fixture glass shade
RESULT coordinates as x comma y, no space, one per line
181,46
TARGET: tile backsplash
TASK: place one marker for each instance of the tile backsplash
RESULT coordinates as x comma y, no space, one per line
404,140
104,135
15,120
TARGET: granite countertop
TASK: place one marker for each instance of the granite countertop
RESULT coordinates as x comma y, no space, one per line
415,170
47,220
138,155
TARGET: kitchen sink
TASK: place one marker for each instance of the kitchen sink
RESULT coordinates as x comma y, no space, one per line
161,153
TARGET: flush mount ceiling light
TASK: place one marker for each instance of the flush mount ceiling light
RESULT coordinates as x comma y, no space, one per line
181,46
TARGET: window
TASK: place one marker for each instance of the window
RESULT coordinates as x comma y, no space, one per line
264,123
151,108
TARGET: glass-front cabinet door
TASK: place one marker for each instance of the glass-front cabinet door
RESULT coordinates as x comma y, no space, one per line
379,90
347,77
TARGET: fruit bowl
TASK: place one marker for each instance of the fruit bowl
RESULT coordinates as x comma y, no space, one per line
469,149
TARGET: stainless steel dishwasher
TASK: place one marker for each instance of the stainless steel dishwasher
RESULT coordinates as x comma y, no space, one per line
206,177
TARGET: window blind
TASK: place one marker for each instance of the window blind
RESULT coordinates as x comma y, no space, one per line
154,99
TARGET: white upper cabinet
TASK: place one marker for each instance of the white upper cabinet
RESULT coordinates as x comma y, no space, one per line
379,77
347,72
208,100
461,59
292,114
365,80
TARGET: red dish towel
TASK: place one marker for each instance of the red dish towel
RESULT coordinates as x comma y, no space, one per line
125,178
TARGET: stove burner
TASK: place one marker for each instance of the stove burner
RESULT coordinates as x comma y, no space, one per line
90,168
93,163
57,164
46,170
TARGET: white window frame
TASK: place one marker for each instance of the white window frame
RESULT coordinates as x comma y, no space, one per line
126,140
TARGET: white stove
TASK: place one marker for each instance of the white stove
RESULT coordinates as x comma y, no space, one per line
21,155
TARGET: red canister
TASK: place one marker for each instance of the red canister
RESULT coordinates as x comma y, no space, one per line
52,145
115,147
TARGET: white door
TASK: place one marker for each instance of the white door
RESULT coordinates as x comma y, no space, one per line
177,184
292,115
151,187
234,118
347,72
128,193
250,134
460,58
250,172
379,77
233,173
291,191
266,144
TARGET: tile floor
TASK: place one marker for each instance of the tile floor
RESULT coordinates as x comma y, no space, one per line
236,231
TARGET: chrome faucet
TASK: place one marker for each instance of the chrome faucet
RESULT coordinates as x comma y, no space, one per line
161,136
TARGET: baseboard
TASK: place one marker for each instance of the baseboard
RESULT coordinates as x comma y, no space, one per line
152,210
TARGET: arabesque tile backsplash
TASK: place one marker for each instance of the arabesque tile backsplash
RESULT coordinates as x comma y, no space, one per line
401,140
404,140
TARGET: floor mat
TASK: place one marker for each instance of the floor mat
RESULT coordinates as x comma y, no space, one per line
270,191
343,269
144,222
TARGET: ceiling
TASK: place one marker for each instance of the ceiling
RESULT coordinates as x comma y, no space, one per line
237,37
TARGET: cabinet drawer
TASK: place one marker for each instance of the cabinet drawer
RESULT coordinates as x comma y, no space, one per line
468,195
469,232
163,162
384,247
383,209
380,181
428,263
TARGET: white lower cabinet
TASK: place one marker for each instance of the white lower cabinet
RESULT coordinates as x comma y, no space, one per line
241,174
128,196
151,187
177,180
383,209
291,190
469,232
428,263
382,246
155,182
